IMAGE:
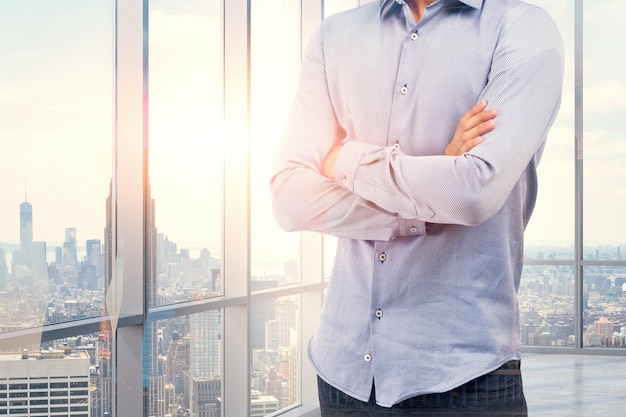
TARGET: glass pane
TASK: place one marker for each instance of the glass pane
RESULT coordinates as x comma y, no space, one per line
182,365
56,130
546,301
336,6
604,135
186,153
275,341
275,59
330,248
551,228
604,317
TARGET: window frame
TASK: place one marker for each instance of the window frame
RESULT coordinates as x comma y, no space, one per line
131,196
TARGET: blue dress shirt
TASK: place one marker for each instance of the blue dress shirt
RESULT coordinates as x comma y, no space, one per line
419,309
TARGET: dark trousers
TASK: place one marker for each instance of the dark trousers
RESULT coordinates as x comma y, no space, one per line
498,393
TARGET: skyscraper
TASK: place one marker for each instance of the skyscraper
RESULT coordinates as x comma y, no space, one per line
4,270
108,241
94,256
70,256
26,233
158,396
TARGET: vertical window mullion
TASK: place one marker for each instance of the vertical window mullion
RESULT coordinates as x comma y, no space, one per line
312,252
236,234
128,206
578,193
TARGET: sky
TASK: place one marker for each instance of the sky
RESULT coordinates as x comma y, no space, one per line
56,120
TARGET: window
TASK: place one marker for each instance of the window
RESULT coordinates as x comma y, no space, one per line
185,148
604,157
56,142
137,228
571,289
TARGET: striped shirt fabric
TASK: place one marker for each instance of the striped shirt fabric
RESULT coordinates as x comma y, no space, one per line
423,293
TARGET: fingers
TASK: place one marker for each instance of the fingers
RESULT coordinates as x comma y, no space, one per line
476,122
468,145
475,109
480,129
476,115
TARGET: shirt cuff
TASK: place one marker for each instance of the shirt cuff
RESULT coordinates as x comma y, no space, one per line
346,167
411,227
347,163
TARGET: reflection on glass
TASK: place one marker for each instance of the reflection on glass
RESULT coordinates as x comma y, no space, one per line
275,59
546,301
275,341
604,317
185,145
182,365
604,135
56,132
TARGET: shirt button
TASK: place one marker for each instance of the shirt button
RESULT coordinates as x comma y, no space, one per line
368,358
379,313
382,257
414,36
396,146
345,182
413,229
404,90
399,1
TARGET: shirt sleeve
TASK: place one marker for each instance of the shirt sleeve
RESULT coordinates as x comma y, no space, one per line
524,85
303,199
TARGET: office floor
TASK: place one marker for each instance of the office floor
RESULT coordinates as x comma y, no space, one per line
574,385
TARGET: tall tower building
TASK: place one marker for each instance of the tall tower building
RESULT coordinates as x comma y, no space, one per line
4,270
204,362
26,233
157,394
286,316
604,328
108,240
105,360
70,256
94,252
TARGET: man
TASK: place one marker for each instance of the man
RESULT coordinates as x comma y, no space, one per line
421,311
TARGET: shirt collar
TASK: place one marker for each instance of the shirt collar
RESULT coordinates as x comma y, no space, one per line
387,5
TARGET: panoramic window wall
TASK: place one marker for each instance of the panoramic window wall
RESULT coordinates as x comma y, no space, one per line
603,153
56,236
571,294
136,234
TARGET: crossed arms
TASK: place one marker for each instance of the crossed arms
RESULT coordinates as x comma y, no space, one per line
359,190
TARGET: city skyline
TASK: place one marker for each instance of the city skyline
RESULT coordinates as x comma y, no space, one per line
53,120
188,348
